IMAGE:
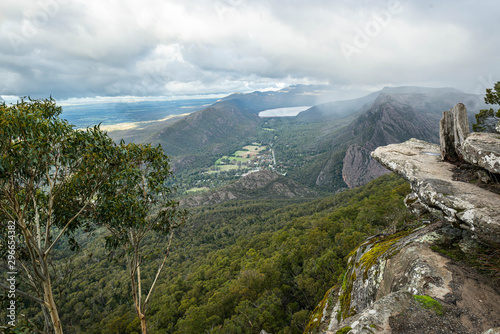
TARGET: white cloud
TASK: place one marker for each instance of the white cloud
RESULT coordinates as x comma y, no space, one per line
156,47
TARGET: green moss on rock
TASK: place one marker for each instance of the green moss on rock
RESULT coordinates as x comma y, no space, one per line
317,314
429,303
345,296
379,248
343,330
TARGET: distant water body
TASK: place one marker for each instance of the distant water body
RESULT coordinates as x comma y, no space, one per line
282,112
111,113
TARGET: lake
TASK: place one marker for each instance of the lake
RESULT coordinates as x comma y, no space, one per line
282,112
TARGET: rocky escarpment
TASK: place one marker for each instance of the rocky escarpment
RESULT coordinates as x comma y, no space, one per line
465,205
403,283
359,168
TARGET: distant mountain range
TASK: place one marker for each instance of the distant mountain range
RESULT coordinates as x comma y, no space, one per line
325,147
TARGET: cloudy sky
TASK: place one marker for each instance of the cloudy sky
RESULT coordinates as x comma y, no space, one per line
87,48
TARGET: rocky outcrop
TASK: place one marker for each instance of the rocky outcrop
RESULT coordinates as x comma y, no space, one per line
465,205
359,168
257,185
483,149
458,144
398,284
401,283
428,168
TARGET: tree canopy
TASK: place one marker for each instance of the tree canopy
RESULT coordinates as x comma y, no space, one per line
49,174
135,202
488,119
56,180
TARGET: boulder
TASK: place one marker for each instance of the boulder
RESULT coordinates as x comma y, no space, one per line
412,202
483,149
458,144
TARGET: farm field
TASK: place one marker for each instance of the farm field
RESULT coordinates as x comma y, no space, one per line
247,155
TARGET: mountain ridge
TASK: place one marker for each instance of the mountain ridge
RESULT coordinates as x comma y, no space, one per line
325,147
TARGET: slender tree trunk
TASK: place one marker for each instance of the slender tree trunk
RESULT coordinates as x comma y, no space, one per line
52,307
143,323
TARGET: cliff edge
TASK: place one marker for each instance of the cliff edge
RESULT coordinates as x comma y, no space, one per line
429,279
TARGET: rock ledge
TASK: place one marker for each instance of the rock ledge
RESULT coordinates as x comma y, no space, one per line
465,205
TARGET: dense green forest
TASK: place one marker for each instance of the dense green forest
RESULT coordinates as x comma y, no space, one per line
236,267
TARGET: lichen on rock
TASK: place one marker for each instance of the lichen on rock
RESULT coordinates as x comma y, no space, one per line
399,267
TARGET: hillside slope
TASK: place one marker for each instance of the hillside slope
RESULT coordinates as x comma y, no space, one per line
235,267
197,138
262,184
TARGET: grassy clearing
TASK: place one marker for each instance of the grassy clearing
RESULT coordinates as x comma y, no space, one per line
241,154
244,155
219,161
225,168
196,190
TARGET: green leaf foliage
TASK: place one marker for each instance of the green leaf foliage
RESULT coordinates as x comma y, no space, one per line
137,197
49,175
492,97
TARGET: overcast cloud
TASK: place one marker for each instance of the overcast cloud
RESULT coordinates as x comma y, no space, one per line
86,48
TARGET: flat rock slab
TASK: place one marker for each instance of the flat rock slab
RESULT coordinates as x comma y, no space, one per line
483,149
465,205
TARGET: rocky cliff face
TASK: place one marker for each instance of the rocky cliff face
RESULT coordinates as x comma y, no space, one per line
399,284
391,119
402,283
359,167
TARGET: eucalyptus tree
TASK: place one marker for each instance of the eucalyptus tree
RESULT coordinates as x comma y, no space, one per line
488,119
50,174
136,205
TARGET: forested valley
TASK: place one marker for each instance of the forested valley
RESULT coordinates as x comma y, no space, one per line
236,267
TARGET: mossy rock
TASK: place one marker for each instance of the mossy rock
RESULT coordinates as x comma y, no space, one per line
317,314
380,247
430,304
345,296
343,330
